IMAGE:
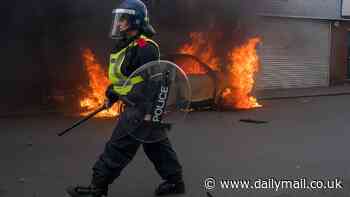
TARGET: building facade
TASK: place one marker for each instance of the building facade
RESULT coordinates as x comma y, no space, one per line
304,43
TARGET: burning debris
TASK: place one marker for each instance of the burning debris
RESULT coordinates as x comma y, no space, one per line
201,46
233,82
237,78
244,64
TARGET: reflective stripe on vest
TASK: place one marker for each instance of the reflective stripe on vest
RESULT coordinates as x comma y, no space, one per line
115,75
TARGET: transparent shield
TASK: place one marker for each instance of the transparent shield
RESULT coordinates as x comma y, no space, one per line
167,100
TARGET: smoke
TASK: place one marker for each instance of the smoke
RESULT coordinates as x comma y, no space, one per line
229,22
234,19
20,54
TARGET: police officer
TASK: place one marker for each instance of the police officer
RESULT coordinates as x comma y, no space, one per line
134,48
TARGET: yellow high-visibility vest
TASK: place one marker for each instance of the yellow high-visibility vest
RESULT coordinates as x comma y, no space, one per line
115,75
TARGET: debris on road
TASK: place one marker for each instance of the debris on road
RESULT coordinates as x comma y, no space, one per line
22,180
254,121
305,100
30,144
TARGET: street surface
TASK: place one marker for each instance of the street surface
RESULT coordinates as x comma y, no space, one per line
304,138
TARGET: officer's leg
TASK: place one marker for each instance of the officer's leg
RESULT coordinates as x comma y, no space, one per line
118,153
167,164
116,156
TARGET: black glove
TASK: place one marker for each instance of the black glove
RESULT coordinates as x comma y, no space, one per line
111,95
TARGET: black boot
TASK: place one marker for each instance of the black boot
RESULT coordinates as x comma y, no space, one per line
168,187
86,191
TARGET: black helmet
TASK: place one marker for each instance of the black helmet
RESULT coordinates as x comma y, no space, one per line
135,13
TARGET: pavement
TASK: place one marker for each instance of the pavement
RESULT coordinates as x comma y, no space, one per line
302,138
343,89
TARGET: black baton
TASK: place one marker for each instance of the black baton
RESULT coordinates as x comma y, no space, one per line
83,120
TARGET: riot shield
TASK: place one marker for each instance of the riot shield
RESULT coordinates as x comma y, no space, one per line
165,102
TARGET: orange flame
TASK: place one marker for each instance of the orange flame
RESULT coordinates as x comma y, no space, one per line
94,97
202,47
190,66
244,63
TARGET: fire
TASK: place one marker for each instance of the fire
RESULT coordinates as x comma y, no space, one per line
94,96
244,63
190,66
202,47
239,74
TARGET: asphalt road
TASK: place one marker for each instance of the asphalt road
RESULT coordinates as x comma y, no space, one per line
304,138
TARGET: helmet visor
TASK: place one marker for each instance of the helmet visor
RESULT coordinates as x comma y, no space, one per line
121,22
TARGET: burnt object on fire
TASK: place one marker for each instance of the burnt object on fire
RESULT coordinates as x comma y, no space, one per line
204,81
254,121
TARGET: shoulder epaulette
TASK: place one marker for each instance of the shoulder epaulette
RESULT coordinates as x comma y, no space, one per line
141,42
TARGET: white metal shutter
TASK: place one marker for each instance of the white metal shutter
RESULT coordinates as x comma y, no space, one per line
295,53
346,8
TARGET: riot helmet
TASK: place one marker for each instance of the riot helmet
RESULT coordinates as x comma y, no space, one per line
130,15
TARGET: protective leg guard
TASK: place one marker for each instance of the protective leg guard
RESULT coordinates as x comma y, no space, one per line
167,188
